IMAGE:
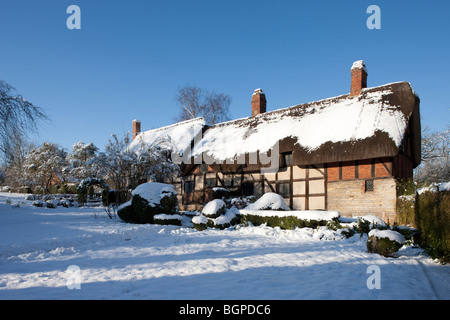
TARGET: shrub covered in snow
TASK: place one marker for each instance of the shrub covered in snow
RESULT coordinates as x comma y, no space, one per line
200,222
168,219
216,215
369,222
269,201
384,242
289,219
214,208
148,200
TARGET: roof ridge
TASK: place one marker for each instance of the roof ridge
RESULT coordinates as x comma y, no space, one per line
174,124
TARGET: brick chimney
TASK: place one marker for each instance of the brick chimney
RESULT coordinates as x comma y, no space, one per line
359,78
136,128
259,102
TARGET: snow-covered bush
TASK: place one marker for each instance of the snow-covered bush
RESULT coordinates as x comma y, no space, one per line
148,200
369,222
168,219
289,219
216,215
269,201
214,208
200,222
384,242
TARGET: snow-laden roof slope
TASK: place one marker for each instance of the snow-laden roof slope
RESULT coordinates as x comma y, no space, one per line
176,137
382,110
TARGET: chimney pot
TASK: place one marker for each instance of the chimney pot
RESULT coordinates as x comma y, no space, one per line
259,102
359,78
136,128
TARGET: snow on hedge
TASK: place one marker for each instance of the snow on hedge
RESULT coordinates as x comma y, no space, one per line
435,187
391,235
153,192
163,216
444,186
212,207
229,215
307,215
269,200
374,221
123,205
201,219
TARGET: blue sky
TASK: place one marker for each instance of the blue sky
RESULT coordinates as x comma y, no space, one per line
129,57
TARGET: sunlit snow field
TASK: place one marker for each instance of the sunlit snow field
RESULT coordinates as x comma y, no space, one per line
79,253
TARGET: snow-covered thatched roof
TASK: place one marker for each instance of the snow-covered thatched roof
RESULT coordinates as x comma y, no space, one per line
342,128
176,137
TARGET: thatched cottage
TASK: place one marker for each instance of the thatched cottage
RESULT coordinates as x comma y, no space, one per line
343,153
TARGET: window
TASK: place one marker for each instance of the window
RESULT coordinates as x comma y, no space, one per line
189,187
210,183
237,180
284,190
368,185
286,159
228,181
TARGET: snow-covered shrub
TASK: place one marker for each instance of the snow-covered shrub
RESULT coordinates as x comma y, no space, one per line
289,219
369,222
240,202
148,200
230,218
216,215
384,242
269,201
200,222
214,208
38,203
168,219
52,204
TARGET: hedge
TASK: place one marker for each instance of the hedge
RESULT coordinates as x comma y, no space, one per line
432,219
287,222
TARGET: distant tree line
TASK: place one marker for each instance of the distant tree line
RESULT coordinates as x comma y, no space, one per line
47,165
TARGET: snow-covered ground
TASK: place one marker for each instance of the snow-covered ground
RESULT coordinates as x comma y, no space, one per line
45,252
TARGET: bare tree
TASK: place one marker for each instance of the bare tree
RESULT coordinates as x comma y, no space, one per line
16,115
124,168
197,102
435,165
18,149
